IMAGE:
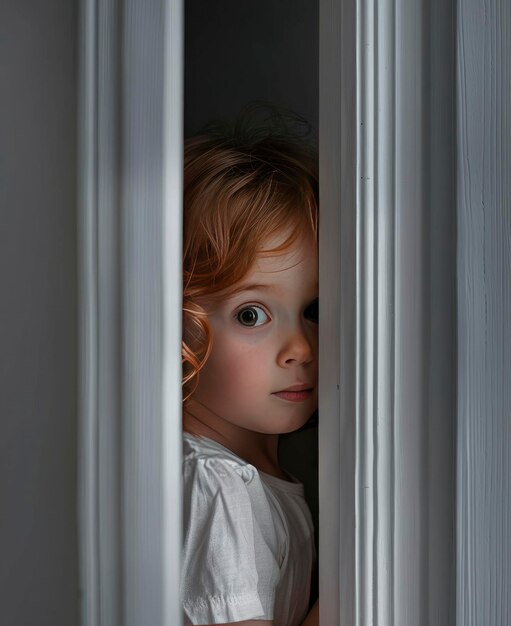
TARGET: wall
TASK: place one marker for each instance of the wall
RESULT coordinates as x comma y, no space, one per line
38,330
251,50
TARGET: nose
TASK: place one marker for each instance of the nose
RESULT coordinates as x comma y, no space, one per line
298,349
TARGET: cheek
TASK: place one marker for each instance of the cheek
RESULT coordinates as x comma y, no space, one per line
237,367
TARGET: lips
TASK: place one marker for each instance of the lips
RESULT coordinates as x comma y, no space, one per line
295,393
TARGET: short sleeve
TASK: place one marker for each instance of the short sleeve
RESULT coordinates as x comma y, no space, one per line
230,567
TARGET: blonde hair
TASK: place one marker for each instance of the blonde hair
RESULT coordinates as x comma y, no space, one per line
239,190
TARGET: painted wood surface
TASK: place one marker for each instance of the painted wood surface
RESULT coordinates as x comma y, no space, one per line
484,313
337,293
130,325
387,167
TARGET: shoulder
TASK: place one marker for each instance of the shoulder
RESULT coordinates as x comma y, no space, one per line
221,490
217,482
213,467
229,558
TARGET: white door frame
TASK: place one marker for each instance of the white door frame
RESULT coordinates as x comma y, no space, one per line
387,325
130,206
386,385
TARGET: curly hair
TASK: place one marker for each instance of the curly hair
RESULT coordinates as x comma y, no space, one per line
242,184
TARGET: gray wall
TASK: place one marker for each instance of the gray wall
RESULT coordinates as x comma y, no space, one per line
38,331
484,314
250,50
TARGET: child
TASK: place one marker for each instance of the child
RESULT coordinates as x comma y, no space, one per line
249,374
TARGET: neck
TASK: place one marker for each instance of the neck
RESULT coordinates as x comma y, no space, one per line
258,449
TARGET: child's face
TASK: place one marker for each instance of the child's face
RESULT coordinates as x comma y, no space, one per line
265,340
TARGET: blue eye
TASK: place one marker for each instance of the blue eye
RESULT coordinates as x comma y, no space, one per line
251,316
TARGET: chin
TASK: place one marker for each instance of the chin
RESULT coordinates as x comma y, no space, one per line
292,425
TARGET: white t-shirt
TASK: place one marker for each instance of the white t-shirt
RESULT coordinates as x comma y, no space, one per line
248,547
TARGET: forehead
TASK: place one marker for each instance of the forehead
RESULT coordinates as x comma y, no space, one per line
297,264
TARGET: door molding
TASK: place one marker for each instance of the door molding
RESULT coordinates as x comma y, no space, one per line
387,263
130,197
